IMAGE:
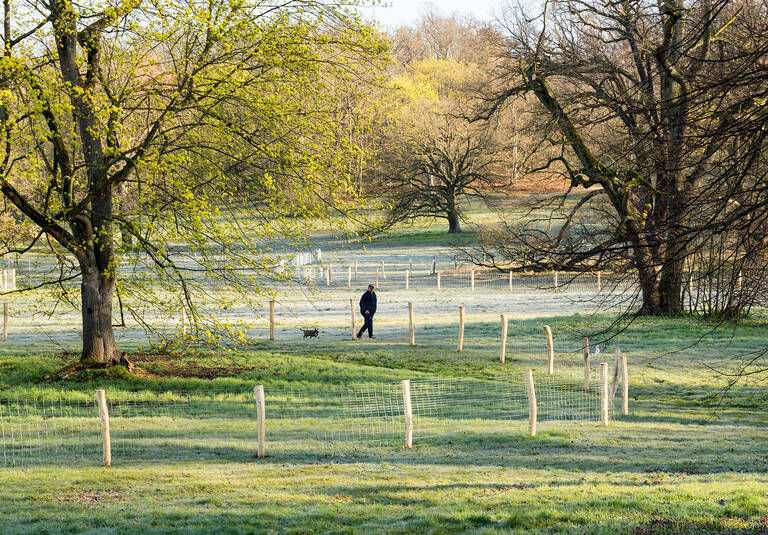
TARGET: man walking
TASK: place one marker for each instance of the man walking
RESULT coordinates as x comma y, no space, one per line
367,309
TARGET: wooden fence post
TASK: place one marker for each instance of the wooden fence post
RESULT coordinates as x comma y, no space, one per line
624,386
599,282
472,279
510,281
5,322
106,443
503,356
408,412
461,328
349,276
261,418
532,408
352,316
604,393
377,278
438,280
585,351
355,271
550,351
407,280
410,266
183,322
272,320
383,273
555,281
328,276
13,279
411,324
434,265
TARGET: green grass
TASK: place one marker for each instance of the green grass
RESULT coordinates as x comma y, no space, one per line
673,464
438,237
686,460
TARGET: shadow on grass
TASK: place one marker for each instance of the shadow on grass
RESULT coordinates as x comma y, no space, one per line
670,451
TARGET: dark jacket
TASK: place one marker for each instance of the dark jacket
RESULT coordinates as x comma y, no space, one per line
368,302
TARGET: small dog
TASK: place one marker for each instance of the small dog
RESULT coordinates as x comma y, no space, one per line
311,333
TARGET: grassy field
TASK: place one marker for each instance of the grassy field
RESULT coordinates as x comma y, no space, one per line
688,459
673,466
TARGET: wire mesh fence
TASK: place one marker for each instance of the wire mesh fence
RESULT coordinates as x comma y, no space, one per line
316,419
315,295
479,279
50,431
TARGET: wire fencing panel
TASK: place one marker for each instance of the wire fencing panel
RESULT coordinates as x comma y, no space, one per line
443,408
183,425
560,399
300,420
48,432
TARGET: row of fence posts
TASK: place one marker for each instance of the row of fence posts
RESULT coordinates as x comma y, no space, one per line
621,360
261,418
381,273
504,331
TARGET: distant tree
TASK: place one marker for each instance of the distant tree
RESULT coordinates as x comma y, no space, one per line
146,116
430,155
445,160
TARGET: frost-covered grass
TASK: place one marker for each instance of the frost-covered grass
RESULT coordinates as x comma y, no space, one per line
684,461
673,464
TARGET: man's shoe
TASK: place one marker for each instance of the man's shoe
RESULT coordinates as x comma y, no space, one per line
371,336
359,337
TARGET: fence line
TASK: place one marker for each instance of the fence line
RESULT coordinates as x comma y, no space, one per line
164,426
475,280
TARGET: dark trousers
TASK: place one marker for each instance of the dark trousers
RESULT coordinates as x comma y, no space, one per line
368,325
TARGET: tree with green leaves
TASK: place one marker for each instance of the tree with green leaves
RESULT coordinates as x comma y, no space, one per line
432,157
203,130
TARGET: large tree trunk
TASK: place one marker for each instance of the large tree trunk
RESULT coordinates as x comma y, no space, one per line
670,287
98,338
660,286
454,225
98,287
649,290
